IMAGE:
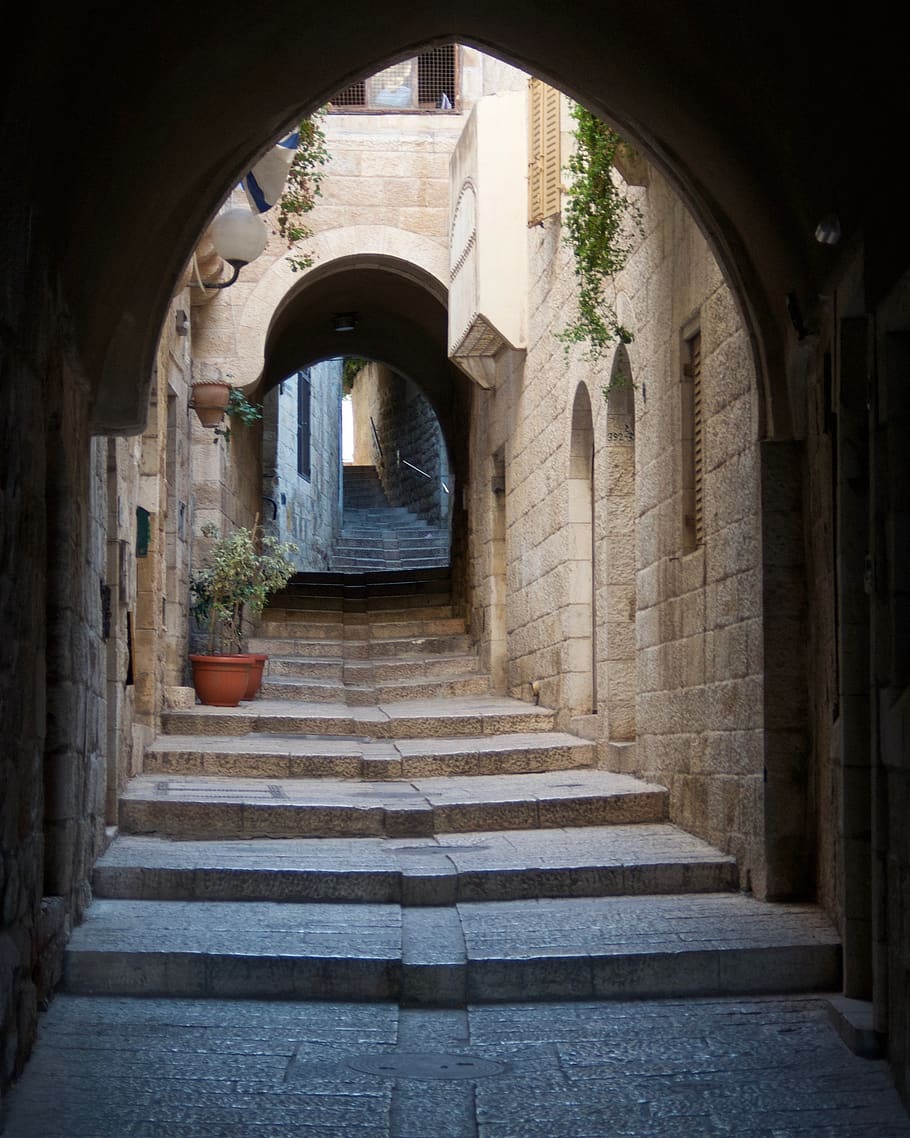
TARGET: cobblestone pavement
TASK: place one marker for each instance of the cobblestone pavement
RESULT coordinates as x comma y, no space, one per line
754,1068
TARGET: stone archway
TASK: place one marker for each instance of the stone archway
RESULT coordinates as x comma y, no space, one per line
409,256
758,226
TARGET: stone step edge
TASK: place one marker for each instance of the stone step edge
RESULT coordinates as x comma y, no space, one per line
196,818
306,719
362,693
412,888
518,753
427,970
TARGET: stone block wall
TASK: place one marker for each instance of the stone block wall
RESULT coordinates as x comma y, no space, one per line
409,433
52,668
308,509
23,720
677,631
699,625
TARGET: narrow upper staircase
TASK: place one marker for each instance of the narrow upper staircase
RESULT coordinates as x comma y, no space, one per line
378,825
377,536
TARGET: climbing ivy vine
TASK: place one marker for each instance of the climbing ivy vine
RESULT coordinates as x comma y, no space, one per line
599,224
352,367
302,188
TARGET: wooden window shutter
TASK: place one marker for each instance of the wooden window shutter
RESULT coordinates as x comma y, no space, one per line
544,158
552,169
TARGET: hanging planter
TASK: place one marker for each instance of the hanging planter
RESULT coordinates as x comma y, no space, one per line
210,400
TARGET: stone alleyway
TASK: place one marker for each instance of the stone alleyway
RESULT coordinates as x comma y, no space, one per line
357,907
770,1067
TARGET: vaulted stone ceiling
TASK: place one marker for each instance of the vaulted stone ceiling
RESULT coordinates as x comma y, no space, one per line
128,124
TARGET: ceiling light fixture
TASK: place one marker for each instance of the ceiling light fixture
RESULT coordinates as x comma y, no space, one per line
344,321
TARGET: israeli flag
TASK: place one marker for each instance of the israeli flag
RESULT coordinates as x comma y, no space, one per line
265,182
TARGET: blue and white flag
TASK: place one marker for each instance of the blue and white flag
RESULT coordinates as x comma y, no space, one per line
265,182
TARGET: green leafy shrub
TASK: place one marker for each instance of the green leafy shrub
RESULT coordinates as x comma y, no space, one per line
242,570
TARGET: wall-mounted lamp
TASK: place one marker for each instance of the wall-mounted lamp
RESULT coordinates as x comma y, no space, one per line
238,237
344,321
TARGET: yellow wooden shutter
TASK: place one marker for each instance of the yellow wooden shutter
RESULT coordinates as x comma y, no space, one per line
544,158
552,172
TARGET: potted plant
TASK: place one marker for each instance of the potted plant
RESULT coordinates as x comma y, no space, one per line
242,570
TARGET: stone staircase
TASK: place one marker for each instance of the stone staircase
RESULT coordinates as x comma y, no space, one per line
377,536
372,829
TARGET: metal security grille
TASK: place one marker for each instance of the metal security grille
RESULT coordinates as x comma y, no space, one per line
303,424
428,82
693,446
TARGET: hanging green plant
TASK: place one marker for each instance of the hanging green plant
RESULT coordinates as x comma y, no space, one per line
239,407
599,223
351,368
302,188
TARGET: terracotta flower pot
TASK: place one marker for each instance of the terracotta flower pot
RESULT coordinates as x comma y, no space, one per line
210,401
221,681
255,681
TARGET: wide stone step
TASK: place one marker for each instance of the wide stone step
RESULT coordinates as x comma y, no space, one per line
365,694
649,858
353,600
378,533
375,580
357,566
184,806
372,671
296,614
306,667
354,646
382,625
284,757
409,719
472,952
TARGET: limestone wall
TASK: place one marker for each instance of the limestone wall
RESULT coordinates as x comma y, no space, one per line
51,658
306,510
663,640
409,435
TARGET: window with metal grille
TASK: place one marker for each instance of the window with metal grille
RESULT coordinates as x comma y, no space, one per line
544,156
693,455
428,82
303,424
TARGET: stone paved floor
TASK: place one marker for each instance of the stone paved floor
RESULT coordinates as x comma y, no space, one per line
754,1068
